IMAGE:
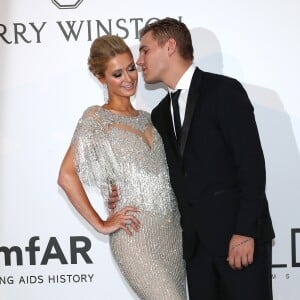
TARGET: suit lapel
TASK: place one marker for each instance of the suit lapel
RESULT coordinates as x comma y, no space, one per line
192,100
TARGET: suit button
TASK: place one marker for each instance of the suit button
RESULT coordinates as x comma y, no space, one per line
190,204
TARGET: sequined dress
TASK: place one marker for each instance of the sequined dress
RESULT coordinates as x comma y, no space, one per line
128,152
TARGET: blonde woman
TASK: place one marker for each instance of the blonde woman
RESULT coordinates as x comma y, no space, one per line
117,144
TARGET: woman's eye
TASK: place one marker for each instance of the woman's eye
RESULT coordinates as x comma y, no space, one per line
132,68
116,75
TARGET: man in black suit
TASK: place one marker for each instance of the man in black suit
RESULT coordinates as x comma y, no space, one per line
216,166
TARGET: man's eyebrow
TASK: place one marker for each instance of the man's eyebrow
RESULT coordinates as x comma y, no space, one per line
142,48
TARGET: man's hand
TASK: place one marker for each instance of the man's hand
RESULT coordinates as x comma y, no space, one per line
113,197
241,251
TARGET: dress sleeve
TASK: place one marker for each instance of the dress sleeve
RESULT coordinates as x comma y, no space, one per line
89,146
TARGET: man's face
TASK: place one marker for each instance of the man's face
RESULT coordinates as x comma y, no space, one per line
153,59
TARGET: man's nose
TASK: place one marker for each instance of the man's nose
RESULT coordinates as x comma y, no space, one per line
139,61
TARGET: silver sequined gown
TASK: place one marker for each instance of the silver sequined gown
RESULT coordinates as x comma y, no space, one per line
110,148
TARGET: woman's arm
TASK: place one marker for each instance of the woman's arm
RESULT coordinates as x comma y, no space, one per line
69,181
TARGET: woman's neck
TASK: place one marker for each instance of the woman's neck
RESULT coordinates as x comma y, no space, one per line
123,107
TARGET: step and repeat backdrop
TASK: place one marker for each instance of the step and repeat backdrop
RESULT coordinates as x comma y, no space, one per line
47,251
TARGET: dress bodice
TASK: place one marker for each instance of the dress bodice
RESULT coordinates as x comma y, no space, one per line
126,151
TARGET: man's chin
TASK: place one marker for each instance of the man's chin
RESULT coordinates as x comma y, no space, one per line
150,80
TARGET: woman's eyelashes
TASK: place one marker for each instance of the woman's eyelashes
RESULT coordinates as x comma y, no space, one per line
132,68
119,73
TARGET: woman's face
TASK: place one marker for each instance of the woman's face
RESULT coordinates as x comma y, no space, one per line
121,76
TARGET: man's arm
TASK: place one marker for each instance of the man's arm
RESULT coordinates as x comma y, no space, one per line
113,197
237,123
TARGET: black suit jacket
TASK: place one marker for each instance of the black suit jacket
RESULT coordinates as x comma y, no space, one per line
218,171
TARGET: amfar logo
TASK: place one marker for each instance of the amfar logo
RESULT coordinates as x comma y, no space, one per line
66,4
78,246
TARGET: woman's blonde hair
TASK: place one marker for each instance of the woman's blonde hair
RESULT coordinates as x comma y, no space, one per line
102,50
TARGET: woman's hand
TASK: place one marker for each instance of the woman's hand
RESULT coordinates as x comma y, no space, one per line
120,220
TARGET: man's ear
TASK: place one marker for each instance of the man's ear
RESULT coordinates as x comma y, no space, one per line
171,46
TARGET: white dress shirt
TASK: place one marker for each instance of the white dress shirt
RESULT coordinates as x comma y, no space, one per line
183,84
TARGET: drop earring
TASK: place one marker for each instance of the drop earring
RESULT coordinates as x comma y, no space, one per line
105,93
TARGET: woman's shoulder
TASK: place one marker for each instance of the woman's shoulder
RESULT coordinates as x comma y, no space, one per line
145,113
91,111
92,118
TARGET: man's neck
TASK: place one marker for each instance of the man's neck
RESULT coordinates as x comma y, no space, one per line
176,73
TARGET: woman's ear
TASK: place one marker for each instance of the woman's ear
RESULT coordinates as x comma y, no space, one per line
101,79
